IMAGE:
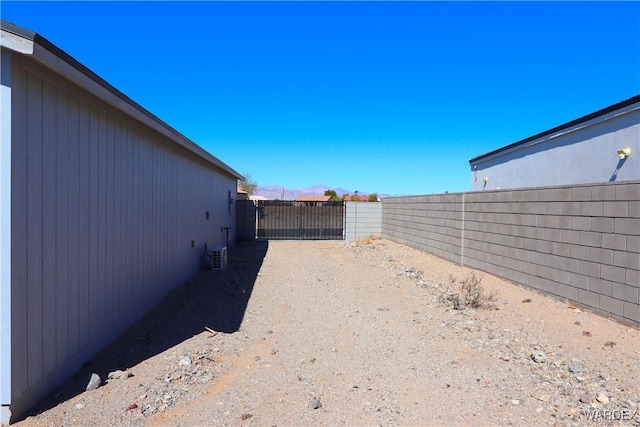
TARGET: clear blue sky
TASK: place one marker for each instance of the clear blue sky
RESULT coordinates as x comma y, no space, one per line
378,97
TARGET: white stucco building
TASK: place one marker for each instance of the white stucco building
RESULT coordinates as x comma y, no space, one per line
583,151
104,209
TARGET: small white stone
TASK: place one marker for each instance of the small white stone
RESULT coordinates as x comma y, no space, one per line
94,382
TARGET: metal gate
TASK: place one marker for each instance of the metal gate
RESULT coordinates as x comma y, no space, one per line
291,220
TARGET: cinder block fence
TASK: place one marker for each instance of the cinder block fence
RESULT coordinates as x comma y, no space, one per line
580,244
362,220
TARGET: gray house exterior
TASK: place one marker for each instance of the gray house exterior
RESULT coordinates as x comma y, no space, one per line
104,209
583,151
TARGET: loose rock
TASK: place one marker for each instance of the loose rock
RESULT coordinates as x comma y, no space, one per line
575,368
539,356
541,397
94,382
585,399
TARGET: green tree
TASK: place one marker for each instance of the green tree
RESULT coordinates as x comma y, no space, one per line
248,184
373,197
331,193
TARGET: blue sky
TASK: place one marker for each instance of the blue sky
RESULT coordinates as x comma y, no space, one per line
383,97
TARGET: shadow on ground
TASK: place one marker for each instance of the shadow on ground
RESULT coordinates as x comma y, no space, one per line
215,299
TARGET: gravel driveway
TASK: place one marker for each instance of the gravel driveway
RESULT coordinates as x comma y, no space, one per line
334,333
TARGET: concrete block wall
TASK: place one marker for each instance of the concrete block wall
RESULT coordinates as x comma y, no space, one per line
362,220
580,244
430,223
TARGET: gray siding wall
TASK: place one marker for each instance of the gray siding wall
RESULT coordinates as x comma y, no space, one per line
104,211
578,243
585,153
362,220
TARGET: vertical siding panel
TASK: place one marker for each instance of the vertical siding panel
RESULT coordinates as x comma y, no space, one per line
144,250
169,213
84,225
109,292
143,219
160,207
117,191
102,224
19,227
49,226
177,200
117,236
154,213
62,226
175,227
74,224
135,243
150,213
34,228
163,229
153,216
95,264
166,182
127,228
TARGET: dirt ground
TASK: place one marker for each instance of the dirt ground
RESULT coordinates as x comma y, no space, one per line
337,333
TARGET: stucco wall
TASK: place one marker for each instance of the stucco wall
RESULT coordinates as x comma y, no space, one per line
582,154
578,243
104,212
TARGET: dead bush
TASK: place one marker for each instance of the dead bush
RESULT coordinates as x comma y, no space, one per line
474,295
471,294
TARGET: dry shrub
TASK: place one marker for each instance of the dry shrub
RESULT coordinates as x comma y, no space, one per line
471,294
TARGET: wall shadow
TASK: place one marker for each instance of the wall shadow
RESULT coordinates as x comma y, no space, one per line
216,299
614,176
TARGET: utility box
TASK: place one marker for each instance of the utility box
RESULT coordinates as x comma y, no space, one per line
217,258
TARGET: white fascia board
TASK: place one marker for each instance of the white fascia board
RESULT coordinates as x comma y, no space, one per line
16,43
62,67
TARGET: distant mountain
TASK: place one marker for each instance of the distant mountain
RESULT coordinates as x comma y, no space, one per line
273,192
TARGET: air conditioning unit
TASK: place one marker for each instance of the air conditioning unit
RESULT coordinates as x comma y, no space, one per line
217,258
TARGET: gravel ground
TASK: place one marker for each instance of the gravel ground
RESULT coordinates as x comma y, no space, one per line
367,333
